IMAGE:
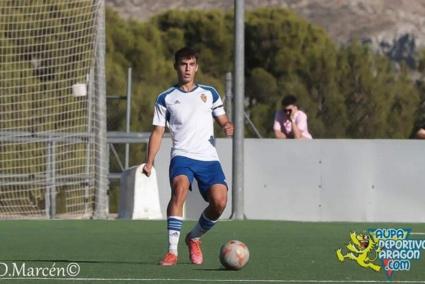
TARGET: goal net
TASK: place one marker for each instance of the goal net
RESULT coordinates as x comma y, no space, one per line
53,160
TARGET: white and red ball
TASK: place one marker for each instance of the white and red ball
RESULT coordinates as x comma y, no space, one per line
234,255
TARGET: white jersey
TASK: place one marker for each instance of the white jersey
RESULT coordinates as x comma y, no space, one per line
189,116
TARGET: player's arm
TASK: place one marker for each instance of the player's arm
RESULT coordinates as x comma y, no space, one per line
220,115
226,124
153,148
159,123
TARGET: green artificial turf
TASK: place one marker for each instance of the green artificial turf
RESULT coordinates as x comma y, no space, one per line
112,251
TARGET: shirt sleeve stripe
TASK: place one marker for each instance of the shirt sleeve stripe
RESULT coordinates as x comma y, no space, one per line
161,98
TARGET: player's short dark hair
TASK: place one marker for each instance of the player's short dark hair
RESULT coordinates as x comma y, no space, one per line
289,100
186,53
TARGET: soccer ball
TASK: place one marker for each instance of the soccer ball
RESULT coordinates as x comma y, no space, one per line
234,255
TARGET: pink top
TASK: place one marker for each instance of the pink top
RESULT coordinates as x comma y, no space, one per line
282,123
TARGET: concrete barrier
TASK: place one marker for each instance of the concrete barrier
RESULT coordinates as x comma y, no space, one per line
320,180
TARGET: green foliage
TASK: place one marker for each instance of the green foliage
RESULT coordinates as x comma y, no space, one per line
205,31
380,102
347,91
46,47
302,59
149,49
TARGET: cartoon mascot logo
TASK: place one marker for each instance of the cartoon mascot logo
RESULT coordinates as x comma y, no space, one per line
362,249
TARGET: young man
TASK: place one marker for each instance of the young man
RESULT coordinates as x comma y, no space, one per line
290,122
188,110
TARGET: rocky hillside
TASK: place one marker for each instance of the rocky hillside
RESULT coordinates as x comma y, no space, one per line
394,27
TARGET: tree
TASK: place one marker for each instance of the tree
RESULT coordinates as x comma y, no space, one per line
381,102
302,59
347,91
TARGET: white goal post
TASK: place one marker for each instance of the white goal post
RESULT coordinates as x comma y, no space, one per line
53,151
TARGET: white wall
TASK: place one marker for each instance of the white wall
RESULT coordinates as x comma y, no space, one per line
321,180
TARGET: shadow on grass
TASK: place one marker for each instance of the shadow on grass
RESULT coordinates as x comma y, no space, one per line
213,269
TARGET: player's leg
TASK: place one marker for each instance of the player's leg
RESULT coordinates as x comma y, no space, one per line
180,188
179,192
180,180
217,198
213,188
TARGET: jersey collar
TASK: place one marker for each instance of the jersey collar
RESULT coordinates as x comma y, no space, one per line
183,91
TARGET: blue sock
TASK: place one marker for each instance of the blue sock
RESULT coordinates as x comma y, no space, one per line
204,225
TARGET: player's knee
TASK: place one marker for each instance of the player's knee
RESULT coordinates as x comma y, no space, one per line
219,204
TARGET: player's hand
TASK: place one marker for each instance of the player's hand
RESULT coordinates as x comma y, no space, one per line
228,128
147,169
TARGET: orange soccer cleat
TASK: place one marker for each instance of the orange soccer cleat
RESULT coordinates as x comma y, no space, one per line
195,251
169,259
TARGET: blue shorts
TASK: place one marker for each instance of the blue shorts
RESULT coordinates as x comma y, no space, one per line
206,173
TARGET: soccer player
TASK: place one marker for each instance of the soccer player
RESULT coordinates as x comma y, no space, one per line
188,110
